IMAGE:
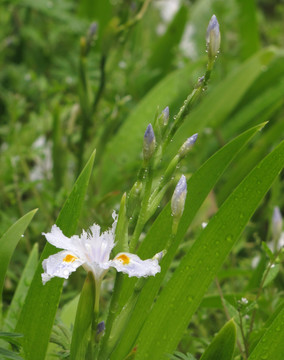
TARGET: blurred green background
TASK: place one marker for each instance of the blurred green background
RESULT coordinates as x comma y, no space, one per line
68,86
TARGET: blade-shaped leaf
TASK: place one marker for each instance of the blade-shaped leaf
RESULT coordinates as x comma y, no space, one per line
199,186
223,345
163,50
9,241
249,36
39,310
180,298
82,328
271,344
21,291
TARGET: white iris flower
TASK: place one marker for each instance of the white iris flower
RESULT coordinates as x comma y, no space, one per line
92,250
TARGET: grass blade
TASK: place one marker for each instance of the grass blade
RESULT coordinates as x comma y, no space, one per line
203,180
9,241
39,310
182,295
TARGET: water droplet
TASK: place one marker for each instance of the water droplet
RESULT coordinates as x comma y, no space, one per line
229,238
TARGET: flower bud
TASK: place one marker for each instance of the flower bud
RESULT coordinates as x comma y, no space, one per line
277,222
92,30
213,38
149,143
160,255
100,330
165,116
187,146
178,199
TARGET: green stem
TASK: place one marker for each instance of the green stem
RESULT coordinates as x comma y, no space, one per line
243,335
188,103
85,112
113,310
97,304
136,19
143,212
101,84
184,110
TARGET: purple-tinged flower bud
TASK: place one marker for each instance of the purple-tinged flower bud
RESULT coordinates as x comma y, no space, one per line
101,327
165,116
92,30
187,146
277,222
213,38
160,255
149,143
100,330
178,199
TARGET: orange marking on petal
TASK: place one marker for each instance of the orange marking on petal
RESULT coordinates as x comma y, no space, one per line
124,259
69,258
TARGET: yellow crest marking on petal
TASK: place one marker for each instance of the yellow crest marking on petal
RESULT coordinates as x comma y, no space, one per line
124,259
69,258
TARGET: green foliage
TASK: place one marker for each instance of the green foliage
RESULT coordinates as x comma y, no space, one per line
83,323
37,314
189,283
79,76
270,345
9,241
223,345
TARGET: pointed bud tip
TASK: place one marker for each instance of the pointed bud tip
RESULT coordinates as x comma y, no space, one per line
187,145
101,327
181,185
178,198
93,29
277,222
149,142
213,25
149,134
166,112
160,255
213,37
164,117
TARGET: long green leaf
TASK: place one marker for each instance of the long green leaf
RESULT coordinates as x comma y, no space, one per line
82,328
246,161
182,295
163,49
271,344
223,345
39,310
21,291
249,37
199,185
9,241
